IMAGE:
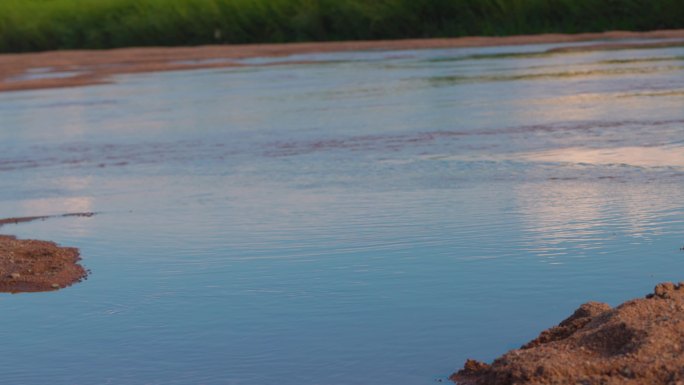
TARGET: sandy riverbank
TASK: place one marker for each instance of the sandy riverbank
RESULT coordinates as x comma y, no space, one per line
28,265
79,68
638,342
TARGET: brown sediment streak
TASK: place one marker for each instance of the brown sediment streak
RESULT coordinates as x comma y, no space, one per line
28,265
16,220
638,342
97,67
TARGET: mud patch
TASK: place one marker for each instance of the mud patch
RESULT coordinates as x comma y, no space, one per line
28,265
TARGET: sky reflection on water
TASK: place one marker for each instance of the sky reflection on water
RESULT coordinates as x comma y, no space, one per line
372,218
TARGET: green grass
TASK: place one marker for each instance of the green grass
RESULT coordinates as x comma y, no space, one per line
34,25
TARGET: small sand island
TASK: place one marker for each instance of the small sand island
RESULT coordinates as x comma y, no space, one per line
30,265
638,342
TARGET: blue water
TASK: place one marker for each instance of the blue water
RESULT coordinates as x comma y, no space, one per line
368,218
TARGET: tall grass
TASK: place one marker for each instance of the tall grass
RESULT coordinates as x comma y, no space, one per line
32,25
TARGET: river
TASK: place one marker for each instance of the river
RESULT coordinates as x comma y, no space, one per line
357,218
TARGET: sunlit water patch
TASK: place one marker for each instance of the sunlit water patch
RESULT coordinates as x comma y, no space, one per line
42,73
369,217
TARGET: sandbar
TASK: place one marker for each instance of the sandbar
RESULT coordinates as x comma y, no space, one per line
28,265
70,68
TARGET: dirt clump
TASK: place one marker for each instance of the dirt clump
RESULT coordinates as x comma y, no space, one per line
638,342
31,265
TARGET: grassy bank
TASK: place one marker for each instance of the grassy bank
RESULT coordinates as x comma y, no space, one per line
34,25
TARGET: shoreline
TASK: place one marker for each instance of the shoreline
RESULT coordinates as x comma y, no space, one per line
56,69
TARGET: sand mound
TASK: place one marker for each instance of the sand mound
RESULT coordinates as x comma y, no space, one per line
638,342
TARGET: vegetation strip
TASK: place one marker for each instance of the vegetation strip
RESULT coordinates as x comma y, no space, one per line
39,25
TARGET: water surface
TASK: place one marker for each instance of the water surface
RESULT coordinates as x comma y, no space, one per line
368,218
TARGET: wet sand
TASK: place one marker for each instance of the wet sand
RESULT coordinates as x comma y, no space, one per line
87,67
28,265
638,342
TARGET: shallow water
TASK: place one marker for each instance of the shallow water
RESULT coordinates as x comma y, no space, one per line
367,218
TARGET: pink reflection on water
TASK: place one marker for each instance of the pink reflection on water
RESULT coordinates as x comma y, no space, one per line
669,156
